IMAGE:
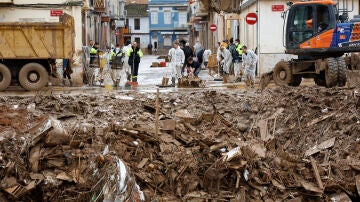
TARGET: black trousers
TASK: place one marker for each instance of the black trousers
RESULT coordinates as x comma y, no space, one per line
134,72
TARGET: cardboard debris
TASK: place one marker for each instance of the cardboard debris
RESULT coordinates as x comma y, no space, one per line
168,124
210,147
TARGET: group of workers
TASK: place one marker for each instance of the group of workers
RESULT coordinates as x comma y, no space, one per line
233,58
126,59
236,59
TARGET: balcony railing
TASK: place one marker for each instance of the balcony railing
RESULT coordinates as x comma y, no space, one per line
99,6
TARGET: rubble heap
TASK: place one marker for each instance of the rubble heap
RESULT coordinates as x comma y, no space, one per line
285,144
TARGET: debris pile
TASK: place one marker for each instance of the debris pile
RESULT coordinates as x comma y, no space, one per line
285,144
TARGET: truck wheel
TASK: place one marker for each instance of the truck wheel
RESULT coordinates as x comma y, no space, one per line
296,81
331,73
282,73
341,71
5,77
33,76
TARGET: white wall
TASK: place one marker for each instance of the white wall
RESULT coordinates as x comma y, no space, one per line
144,40
144,25
143,33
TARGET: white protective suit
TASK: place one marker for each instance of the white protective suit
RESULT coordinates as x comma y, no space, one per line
249,63
227,61
177,60
126,66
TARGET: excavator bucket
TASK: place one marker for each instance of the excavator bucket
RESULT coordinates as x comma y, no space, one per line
353,78
266,79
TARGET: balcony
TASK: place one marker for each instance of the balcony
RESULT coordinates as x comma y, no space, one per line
99,6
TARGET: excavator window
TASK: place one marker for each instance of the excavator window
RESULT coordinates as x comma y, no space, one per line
301,24
307,21
323,17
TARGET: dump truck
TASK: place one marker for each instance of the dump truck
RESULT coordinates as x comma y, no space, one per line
324,40
28,50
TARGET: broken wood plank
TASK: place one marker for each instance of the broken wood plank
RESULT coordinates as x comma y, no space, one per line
142,163
357,182
317,120
324,145
310,187
316,173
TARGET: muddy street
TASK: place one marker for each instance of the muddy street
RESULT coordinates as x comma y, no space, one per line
282,144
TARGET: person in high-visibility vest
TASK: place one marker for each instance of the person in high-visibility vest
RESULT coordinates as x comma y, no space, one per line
116,62
135,54
237,58
93,51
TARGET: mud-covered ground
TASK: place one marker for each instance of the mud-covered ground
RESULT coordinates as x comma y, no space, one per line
282,144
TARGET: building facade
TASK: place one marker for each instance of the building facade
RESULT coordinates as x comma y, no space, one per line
101,19
168,22
137,24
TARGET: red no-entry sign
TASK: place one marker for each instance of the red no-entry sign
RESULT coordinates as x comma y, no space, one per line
213,27
251,18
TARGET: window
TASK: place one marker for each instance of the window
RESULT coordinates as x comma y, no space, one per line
167,16
154,17
137,39
137,24
182,19
300,26
323,18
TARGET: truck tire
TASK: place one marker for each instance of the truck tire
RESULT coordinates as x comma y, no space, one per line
296,81
5,77
282,74
341,71
331,73
33,76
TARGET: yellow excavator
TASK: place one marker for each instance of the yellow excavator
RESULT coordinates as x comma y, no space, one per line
325,42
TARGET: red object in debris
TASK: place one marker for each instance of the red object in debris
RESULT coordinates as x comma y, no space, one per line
162,64
131,83
251,18
213,27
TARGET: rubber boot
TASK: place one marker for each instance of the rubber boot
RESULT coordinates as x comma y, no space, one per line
71,82
63,82
173,81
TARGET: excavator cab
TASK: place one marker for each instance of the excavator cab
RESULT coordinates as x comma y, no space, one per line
319,36
308,20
